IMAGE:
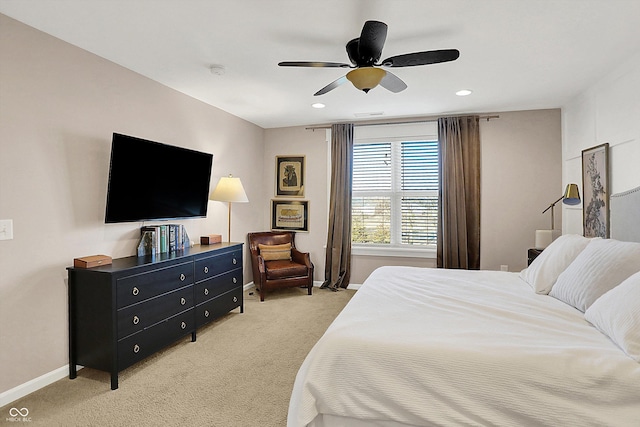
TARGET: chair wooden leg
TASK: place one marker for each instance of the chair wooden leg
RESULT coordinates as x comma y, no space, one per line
261,293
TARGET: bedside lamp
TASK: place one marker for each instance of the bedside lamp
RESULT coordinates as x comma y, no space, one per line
571,196
230,190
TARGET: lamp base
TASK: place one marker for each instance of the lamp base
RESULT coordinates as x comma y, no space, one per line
545,237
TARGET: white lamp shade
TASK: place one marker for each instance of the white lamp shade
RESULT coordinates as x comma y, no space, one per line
229,189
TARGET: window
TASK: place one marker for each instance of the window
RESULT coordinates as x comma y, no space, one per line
395,186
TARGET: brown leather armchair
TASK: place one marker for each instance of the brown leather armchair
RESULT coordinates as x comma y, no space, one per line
279,270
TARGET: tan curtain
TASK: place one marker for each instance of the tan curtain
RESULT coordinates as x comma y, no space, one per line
337,268
459,201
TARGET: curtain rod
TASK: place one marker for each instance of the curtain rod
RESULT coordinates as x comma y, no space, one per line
487,118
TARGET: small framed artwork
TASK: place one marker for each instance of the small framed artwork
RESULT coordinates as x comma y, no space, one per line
290,176
290,215
595,188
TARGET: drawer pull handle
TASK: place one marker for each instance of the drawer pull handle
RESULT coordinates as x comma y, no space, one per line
235,261
206,313
136,348
206,291
235,299
136,320
182,277
206,269
183,301
135,291
235,280
183,325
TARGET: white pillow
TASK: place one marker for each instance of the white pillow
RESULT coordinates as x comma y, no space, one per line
545,269
617,315
601,266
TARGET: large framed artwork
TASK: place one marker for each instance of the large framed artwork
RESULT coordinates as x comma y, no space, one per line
290,176
595,185
290,215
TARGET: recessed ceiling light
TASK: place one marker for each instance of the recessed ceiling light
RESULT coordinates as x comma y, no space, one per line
318,105
463,92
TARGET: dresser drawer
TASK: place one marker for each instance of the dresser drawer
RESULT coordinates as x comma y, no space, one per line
137,288
218,285
219,306
146,342
218,264
136,317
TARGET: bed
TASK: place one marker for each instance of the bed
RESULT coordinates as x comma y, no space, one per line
556,344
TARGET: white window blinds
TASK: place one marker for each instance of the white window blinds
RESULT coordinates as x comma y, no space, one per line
395,190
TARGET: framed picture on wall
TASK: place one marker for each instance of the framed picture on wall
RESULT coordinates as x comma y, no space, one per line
290,176
595,185
290,215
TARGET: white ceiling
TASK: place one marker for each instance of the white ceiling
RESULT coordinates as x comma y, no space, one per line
514,54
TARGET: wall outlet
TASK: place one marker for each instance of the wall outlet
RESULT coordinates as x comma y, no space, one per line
504,267
6,229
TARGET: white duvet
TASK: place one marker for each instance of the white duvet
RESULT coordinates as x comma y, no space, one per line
424,347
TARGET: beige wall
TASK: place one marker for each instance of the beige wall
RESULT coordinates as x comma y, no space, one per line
58,108
313,145
521,175
608,111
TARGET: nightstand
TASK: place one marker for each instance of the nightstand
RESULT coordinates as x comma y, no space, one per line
533,254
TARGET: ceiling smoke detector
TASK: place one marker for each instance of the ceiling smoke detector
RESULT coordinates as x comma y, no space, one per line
217,70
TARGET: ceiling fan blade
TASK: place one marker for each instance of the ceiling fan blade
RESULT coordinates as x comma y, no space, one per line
421,58
317,64
372,38
334,84
393,83
352,51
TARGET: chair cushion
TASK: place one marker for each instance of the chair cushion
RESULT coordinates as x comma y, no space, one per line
284,269
275,252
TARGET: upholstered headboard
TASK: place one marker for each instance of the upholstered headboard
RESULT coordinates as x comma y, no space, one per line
625,215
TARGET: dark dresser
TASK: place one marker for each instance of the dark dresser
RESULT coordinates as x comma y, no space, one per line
121,313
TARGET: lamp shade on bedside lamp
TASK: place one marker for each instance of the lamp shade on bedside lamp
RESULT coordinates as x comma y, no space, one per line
571,195
230,190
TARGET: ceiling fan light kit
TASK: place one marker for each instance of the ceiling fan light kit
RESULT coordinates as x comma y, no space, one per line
366,78
364,53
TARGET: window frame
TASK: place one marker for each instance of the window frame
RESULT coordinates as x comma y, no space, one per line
396,134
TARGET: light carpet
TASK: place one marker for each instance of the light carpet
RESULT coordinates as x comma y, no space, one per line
239,372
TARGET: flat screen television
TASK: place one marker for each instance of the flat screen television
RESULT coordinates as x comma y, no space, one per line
153,181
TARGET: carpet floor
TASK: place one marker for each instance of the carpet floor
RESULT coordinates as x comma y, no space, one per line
239,372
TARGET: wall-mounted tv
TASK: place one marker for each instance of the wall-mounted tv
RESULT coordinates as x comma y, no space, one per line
152,181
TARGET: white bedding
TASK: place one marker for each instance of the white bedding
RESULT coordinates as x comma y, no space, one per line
423,347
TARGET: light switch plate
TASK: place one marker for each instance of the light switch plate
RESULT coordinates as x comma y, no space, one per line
6,229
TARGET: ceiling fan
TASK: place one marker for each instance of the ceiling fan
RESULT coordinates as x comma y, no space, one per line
364,53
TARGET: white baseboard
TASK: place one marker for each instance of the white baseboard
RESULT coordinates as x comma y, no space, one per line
33,385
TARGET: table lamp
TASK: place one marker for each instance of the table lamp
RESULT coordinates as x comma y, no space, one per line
230,190
571,196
